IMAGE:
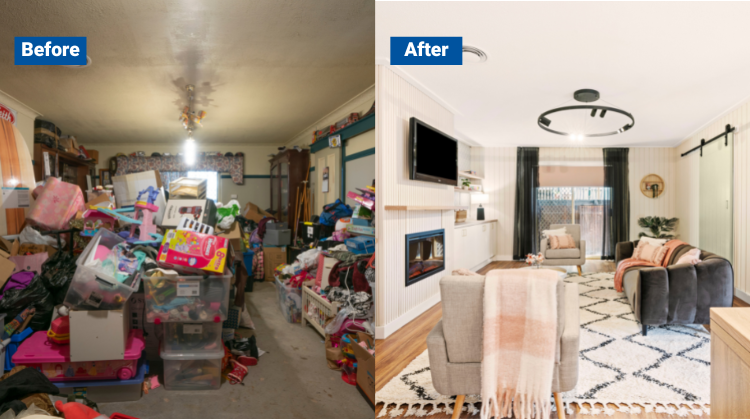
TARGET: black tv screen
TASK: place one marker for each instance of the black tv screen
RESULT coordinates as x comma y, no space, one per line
433,155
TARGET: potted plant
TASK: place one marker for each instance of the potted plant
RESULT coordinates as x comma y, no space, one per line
535,260
465,184
658,227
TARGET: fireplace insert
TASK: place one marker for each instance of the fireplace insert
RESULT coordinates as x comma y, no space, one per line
425,255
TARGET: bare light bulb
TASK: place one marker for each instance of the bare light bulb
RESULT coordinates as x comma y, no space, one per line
189,151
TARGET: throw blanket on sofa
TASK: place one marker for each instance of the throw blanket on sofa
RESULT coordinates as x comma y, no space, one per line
518,349
628,263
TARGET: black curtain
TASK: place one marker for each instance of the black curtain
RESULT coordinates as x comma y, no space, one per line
527,182
617,208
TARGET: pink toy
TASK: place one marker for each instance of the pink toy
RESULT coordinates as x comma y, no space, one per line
58,202
29,262
183,249
147,208
93,220
53,360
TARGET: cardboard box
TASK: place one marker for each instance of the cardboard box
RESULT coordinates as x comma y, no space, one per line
273,256
233,235
7,268
203,211
193,251
22,249
99,335
254,213
94,154
365,366
127,187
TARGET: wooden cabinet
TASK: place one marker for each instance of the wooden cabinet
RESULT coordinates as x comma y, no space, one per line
66,166
288,171
474,244
730,363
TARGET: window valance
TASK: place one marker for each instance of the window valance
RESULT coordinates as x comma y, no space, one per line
234,165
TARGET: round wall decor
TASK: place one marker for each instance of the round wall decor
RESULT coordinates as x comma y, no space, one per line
652,186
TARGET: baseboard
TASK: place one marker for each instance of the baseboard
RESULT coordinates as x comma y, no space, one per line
742,295
481,264
395,325
502,258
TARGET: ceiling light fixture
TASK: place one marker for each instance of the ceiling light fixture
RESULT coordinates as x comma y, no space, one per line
473,54
190,121
580,130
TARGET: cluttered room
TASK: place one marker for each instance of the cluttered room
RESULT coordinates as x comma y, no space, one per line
183,239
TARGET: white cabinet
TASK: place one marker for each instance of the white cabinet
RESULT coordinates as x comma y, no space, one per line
474,244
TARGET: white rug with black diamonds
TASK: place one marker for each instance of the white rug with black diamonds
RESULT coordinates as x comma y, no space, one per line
668,371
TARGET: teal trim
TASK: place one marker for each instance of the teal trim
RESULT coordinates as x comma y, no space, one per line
343,171
365,124
312,169
248,176
359,155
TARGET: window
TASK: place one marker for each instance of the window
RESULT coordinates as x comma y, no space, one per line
212,183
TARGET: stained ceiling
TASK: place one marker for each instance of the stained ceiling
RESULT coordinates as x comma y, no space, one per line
264,70
674,65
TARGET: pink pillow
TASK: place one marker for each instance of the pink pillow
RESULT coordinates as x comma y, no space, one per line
653,254
561,242
690,257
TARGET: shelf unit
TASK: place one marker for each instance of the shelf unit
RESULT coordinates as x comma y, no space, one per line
57,159
468,175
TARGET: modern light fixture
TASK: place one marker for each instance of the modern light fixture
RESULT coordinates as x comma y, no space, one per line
578,127
190,121
473,54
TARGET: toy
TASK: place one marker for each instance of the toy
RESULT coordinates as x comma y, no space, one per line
76,410
93,220
193,251
146,222
186,299
59,331
53,360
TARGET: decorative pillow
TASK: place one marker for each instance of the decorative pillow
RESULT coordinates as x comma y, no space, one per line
691,257
549,232
652,241
561,242
649,253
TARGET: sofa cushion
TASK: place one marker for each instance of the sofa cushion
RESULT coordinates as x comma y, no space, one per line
561,242
557,254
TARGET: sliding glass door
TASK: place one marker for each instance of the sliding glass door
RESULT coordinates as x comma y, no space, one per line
584,206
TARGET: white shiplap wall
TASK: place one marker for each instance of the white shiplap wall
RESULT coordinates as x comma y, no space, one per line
464,157
498,167
396,102
651,160
688,200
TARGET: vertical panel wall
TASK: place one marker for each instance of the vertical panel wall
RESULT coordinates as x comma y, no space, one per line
688,202
396,102
645,161
498,167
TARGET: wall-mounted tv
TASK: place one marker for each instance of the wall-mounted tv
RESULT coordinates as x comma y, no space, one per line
433,155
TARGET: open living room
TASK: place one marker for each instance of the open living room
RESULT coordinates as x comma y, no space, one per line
563,219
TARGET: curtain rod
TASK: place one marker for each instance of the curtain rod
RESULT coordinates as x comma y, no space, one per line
728,129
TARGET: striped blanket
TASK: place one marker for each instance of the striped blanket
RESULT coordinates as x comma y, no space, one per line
518,349
624,265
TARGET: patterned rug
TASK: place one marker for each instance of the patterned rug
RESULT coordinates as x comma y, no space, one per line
668,371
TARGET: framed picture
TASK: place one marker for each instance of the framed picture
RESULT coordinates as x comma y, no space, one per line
105,177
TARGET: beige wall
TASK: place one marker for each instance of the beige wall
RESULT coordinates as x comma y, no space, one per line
687,205
397,101
652,160
25,117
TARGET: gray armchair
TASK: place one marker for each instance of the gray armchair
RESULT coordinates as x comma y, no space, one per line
455,344
575,256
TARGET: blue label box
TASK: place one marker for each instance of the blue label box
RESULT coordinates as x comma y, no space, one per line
50,50
427,51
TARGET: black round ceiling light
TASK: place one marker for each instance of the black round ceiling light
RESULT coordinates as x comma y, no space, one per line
579,121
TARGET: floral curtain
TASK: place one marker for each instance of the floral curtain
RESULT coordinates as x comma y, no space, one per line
234,165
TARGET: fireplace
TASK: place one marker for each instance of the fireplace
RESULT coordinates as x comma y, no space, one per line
425,255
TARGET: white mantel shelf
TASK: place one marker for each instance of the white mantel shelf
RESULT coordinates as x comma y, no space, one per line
473,223
425,208
468,175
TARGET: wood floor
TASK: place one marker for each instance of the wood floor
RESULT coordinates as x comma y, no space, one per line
398,350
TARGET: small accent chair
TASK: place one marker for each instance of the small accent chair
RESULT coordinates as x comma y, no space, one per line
455,344
574,256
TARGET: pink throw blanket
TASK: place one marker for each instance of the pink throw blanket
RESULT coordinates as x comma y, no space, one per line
632,262
518,350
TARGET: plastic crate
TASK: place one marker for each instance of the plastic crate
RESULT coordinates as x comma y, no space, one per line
182,338
108,391
315,309
290,301
192,371
187,298
93,290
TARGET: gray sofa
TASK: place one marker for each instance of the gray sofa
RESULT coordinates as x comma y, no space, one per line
679,293
575,256
455,344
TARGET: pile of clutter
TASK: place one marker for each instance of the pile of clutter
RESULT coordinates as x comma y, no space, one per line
94,290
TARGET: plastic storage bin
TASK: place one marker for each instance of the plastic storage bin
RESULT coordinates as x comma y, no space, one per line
108,391
12,347
192,371
187,298
290,301
192,338
92,290
53,360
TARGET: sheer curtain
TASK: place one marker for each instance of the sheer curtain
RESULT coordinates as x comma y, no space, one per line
617,208
527,183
